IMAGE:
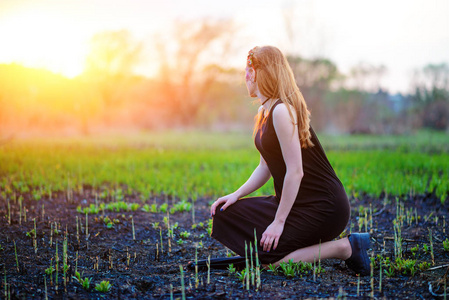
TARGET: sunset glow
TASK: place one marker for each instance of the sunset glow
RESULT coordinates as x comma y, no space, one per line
40,39
55,34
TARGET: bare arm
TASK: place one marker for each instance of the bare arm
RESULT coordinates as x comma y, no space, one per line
258,178
287,134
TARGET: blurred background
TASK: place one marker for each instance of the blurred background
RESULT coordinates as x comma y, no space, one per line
79,67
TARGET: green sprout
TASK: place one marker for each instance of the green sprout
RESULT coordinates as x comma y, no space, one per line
163,208
231,269
108,222
185,234
146,208
134,206
209,227
154,208
85,283
181,206
49,270
91,209
103,286
288,269
117,206
389,271
305,267
423,266
150,209
77,277
273,269
200,225
65,268
30,233
242,275
446,245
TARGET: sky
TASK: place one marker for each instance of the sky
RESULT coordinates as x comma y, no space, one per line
399,34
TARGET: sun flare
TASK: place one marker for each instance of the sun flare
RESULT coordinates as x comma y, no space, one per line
43,40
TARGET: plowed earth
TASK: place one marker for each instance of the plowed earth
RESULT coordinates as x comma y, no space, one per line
142,268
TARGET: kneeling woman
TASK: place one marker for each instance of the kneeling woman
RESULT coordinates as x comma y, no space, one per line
310,208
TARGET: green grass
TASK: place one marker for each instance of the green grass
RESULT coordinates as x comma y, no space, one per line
421,141
392,172
198,164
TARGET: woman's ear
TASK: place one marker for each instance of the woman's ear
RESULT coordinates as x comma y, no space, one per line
250,74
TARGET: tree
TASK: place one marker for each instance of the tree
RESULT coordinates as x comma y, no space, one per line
111,62
366,77
431,95
187,70
315,77
109,72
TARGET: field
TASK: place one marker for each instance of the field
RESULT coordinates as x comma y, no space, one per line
120,217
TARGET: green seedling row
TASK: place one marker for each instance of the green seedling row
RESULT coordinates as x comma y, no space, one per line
392,172
205,165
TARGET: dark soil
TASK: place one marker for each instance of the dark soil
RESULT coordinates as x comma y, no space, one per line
145,269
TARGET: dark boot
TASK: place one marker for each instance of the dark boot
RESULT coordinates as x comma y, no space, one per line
359,261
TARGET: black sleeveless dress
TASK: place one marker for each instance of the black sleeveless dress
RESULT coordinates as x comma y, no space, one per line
320,212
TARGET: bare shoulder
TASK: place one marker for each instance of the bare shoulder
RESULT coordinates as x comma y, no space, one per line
281,113
280,110
285,130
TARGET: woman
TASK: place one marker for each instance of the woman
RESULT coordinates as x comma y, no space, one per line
310,208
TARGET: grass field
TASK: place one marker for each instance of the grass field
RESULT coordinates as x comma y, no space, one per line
192,164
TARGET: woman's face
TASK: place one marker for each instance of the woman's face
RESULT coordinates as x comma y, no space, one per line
251,82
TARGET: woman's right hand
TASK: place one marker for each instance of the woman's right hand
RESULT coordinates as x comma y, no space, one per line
227,200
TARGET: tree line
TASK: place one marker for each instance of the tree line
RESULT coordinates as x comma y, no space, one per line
195,87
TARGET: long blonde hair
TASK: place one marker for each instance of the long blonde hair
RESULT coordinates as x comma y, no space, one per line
275,79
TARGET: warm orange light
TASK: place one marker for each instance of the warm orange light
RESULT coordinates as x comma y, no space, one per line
40,39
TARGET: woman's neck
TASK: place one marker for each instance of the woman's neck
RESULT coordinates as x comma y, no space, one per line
266,102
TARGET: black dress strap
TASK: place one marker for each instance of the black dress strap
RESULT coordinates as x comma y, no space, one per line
279,101
269,117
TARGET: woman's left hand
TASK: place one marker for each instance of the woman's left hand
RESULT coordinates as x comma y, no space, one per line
271,235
